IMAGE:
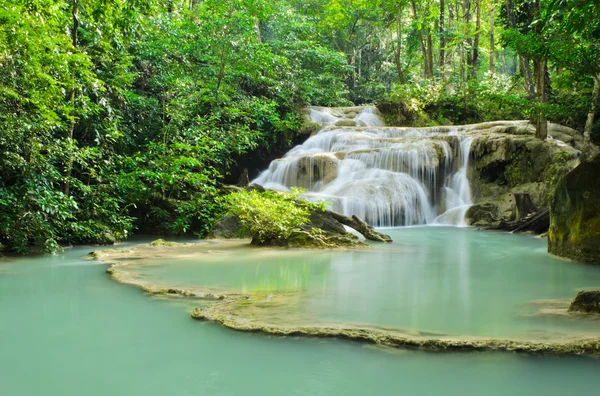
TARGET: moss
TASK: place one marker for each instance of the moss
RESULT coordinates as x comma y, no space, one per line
162,242
575,214
587,301
558,167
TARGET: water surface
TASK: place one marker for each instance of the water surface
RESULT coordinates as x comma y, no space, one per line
443,280
67,329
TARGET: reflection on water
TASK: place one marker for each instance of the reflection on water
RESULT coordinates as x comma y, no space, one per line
67,329
433,279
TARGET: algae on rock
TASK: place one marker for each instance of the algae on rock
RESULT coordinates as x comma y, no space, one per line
587,301
575,214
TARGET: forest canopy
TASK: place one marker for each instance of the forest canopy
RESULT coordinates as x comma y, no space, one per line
123,115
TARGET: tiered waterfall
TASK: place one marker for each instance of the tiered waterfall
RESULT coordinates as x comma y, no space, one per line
387,176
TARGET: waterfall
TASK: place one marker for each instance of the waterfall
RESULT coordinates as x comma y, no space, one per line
457,189
388,176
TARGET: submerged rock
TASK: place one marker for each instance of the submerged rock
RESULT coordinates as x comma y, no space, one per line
575,214
587,301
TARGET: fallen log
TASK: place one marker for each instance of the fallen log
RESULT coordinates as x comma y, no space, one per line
361,226
537,223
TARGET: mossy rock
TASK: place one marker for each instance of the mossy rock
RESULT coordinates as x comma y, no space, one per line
587,301
162,242
575,214
346,123
484,214
108,239
228,227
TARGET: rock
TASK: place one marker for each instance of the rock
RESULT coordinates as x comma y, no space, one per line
510,165
315,168
575,214
256,187
312,239
325,229
346,123
587,301
483,214
326,223
228,227
108,239
523,205
162,242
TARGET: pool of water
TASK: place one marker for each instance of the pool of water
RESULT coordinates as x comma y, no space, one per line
67,329
444,280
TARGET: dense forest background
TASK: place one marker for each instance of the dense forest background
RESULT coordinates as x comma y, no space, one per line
117,115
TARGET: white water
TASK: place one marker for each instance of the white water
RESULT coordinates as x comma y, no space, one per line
457,189
387,176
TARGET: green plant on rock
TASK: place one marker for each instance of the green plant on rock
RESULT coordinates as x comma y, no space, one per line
272,216
557,169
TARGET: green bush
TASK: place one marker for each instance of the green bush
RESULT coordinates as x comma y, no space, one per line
272,216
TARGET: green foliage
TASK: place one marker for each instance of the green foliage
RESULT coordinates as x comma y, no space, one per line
135,123
166,101
270,216
435,103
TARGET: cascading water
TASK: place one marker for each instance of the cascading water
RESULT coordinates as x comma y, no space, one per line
387,176
457,189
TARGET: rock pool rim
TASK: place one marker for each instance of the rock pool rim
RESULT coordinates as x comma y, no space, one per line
224,302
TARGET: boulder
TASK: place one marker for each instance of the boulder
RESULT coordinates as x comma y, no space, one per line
587,301
346,123
108,239
575,214
483,214
228,227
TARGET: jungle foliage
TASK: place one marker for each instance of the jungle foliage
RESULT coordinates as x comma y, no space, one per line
123,115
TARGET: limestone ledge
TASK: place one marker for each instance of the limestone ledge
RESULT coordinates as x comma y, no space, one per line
247,312
391,338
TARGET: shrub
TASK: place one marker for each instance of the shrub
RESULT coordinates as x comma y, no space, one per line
272,216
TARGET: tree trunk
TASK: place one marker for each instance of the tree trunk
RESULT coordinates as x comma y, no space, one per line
427,72
361,226
475,58
467,33
523,61
398,46
442,37
540,67
589,123
526,70
429,53
257,30
75,13
541,127
492,42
